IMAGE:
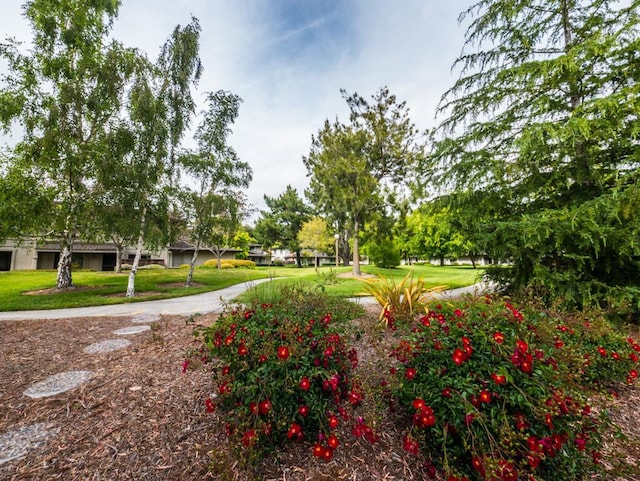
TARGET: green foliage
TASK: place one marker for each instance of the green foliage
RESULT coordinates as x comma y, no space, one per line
493,392
383,252
400,300
282,372
279,226
544,162
358,170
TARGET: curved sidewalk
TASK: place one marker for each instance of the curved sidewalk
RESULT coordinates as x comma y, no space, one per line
199,303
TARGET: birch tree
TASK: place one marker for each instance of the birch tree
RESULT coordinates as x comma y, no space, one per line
215,204
160,108
63,92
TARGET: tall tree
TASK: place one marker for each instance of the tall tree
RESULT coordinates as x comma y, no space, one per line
281,223
540,137
360,168
215,205
64,92
160,109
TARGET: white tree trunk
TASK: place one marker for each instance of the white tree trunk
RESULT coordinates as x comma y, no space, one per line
64,279
192,266
131,283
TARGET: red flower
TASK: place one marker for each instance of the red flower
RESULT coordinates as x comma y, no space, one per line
498,378
209,405
602,351
225,370
328,454
283,353
485,396
410,445
303,410
418,403
498,337
242,350
333,442
333,422
410,373
185,366
458,356
522,346
476,462
295,431
446,392
305,384
249,437
318,450
264,407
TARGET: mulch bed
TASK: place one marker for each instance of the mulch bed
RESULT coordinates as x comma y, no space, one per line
141,418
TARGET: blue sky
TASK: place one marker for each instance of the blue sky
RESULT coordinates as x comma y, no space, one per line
288,60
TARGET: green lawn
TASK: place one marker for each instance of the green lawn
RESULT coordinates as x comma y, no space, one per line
100,288
449,276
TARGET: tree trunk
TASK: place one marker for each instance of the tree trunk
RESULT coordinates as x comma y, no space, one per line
64,279
131,283
298,259
473,261
218,254
356,251
192,266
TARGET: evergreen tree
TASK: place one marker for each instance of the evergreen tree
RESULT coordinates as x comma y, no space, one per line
540,142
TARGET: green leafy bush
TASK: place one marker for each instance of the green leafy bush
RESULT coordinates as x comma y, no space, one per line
493,392
283,372
384,253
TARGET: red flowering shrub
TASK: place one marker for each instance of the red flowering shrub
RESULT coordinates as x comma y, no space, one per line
493,392
283,372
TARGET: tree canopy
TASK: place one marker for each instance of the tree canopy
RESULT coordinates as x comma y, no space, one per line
360,168
539,143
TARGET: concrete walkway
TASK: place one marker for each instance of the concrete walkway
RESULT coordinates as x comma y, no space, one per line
185,306
199,303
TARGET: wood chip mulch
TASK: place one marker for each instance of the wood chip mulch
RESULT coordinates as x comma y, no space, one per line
141,418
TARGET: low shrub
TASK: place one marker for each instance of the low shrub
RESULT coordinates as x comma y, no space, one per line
283,372
231,263
148,267
492,392
401,300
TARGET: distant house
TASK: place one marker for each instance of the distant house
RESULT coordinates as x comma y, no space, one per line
182,251
32,254
258,255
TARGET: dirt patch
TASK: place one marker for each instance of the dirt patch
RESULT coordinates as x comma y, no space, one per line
141,418
55,290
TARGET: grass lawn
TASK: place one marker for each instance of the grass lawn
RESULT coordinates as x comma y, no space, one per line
325,278
26,290
19,289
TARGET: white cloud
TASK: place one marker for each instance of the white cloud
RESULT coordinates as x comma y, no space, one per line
288,60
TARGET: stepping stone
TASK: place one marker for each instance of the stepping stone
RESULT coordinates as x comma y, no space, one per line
58,383
131,330
106,346
17,443
145,318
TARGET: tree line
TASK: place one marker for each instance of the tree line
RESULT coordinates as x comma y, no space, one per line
533,163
